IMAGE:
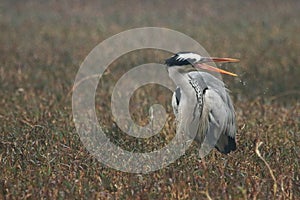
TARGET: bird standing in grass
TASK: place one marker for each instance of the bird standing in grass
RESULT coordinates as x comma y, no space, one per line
203,98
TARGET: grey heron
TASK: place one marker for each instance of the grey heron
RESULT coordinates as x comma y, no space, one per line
216,112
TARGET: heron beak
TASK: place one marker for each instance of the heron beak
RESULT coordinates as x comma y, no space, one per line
222,60
202,65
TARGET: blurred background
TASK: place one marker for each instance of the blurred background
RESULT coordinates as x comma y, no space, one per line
57,36
43,44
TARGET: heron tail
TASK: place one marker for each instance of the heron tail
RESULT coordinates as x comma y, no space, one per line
226,144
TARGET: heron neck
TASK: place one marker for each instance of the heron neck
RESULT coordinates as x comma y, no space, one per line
179,75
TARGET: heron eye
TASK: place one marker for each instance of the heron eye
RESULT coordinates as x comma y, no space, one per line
191,60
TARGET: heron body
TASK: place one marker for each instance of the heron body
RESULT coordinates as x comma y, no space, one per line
204,98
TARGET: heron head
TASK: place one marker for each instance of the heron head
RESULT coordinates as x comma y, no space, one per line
197,61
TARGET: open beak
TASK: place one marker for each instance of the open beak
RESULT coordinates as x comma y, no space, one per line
204,60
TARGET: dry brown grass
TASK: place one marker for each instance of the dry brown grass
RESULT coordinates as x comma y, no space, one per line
42,46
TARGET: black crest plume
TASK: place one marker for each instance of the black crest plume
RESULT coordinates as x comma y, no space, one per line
182,58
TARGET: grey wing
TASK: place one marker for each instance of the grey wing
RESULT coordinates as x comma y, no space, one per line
221,122
218,116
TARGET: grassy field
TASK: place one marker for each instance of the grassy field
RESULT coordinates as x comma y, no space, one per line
42,47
